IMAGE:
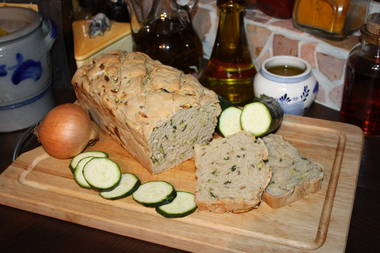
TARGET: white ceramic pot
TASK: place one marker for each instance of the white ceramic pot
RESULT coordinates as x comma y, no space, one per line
25,68
294,93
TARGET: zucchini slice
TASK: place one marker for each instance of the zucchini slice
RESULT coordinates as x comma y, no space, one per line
74,162
183,205
262,116
129,183
78,172
256,118
102,173
154,193
229,121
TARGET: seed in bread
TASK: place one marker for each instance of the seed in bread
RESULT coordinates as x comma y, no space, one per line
231,173
154,111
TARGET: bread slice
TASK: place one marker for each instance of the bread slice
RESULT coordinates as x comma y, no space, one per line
294,176
154,111
231,173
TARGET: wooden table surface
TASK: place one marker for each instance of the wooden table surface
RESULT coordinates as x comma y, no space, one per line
22,231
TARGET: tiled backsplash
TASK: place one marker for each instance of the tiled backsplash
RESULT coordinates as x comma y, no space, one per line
268,36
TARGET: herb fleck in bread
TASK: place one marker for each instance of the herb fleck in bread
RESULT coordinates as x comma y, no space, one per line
154,111
231,173
294,176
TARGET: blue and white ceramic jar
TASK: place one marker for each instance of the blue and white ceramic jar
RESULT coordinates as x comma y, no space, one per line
25,67
295,93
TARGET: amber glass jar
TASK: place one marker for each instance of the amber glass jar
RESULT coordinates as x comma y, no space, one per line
361,95
331,19
276,8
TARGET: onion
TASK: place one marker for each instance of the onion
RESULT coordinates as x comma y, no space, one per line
66,131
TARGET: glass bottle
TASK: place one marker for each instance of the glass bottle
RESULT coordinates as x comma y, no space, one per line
163,29
331,19
276,8
230,70
116,10
361,95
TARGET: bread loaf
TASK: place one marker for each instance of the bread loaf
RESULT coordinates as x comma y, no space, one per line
294,176
154,111
231,173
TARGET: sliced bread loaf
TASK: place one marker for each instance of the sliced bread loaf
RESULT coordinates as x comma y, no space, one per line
154,111
294,176
231,173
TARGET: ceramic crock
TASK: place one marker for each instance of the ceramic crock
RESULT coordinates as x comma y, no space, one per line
295,93
25,69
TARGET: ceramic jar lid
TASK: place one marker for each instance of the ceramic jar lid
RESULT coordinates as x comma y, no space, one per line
16,22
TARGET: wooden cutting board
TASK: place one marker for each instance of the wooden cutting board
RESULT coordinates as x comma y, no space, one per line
319,223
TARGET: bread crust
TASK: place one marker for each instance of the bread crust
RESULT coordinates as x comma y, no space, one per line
223,206
298,192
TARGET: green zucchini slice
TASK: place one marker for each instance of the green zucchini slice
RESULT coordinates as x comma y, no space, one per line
229,121
262,116
78,172
74,162
129,183
154,193
256,118
183,205
102,173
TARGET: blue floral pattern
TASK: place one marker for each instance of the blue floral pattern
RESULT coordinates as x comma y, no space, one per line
295,105
24,69
316,88
305,93
3,71
285,98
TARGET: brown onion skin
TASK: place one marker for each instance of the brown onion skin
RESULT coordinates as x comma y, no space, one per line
66,131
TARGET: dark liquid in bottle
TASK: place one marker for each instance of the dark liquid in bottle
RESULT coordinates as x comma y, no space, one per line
277,8
171,42
285,70
361,97
116,10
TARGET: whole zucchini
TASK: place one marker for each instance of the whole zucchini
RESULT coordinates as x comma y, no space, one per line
262,116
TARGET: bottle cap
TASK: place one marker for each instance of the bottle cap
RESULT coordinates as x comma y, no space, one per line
373,23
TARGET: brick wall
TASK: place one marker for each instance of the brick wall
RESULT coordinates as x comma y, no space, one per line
268,37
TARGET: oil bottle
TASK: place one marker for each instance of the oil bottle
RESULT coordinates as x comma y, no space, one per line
230,70
165,32
361,95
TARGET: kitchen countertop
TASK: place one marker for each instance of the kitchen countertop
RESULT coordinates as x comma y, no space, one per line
22,231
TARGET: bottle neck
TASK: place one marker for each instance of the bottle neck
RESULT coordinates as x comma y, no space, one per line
370,43
370,49
231,33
